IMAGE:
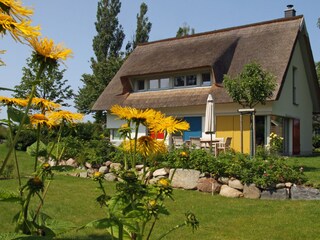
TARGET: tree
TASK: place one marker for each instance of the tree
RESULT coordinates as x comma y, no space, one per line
142,31
185,30
108,57
53,88
252,86
318,71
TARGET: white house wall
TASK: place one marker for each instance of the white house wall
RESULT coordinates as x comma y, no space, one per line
303,110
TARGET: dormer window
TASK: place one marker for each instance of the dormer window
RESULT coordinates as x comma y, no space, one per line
177,81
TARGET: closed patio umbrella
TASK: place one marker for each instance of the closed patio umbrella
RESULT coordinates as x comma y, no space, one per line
209,123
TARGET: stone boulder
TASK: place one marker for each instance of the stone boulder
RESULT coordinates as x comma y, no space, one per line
103,169
115,166
83,174
227,191
111,177
278,194
160,172
251,191
184,178
224,180
235,183
304,193
208,185
71,162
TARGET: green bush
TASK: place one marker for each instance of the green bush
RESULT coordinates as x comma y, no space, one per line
25,139
265,170
32,149
316,141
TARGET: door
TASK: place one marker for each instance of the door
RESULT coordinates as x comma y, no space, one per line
296,137
195,128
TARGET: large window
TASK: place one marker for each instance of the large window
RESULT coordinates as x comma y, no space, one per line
206,79
190,80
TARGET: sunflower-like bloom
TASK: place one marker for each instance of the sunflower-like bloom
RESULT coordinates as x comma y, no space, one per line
168,124
47,51
133,114
41,119
44,104
13,101
18,29
67,116
148,146
14,8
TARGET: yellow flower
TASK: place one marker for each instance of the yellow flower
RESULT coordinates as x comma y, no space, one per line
67,116
45,166
97,175
183,154
152,203
164,182
41,119
44,104
48,51
15,8
168,124
13,101
18,29
132,114
148,146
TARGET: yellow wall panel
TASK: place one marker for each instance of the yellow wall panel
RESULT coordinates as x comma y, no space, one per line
229,126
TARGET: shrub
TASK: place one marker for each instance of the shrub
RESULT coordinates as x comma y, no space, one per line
316,141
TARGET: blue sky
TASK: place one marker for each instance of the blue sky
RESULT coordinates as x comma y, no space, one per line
72,23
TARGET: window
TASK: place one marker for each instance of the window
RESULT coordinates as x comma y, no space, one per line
191,80
294,86
154,84
140,85
179,81
206,80
195,79
164,83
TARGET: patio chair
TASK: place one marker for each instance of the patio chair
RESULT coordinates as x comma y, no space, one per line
177,141
195,142
224,145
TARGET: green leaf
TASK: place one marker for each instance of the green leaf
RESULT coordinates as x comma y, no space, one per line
101,223
8,196
16,115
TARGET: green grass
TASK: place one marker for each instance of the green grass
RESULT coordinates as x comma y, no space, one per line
73,199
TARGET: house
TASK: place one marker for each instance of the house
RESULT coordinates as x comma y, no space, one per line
176,75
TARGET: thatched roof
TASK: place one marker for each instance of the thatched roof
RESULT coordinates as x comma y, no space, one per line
224,51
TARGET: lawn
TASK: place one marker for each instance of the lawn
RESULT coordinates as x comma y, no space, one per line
73,199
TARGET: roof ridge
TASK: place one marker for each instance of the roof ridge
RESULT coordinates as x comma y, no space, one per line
224,30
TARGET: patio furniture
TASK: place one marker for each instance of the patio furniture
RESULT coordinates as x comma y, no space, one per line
195,142
177,141
224,145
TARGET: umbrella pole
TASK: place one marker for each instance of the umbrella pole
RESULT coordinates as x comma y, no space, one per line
210,142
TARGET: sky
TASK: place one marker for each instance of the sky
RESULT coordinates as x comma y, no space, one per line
71,22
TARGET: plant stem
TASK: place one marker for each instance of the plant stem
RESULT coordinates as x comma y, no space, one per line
151,229
171,230
37,149
41,202
14,151
33,89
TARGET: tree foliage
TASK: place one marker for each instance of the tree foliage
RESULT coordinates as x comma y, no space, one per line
252,86
318,71
108,57
185,30
143,29
53,88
